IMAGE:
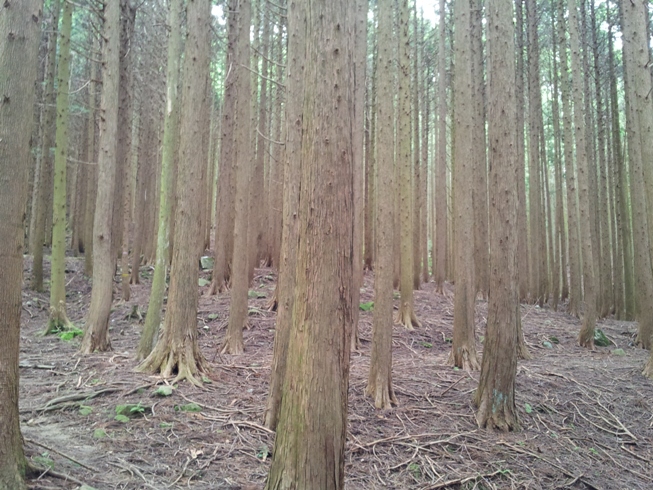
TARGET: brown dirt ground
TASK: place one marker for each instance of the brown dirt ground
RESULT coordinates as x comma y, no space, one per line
586,416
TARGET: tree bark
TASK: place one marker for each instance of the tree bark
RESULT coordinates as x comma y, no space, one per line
463,349
170,139
96,335
58,317
406,315
379,384
177,350
309,450
20,25
495,395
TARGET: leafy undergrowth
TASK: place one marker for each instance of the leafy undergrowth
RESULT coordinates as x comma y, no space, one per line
586,416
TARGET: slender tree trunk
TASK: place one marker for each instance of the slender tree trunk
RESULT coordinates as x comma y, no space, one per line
124,148
586,336
370,167
20,23
58,317
170,139
463,349
233,341
441,239
575,291
91,179
480,173
224,227
416,157
43,176
177,350
406,316
96,336
522,218
495,395
309,451
379,384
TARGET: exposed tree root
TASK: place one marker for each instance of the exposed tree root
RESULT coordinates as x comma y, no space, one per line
273,302
407,317
464,357
382,392
185,361
214,288
648,368
586,336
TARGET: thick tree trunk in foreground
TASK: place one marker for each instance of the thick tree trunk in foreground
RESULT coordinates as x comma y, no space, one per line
96,336
19,40
177,350
58,318
495,395
170,139
379,383
463,349
309,450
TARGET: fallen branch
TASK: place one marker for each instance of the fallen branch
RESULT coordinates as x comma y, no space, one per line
60,453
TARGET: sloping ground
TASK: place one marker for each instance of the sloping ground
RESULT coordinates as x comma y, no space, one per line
586,416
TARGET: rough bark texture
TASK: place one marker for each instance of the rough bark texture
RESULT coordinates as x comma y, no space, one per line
244,158
406,315
441,240
586,336
379,384
297,32
640,131
309,449
19,40
177,350
91,180
96,335
170,138
495,395
58,318
463,349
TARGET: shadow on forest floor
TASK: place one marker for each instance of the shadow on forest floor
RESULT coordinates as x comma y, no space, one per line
586,417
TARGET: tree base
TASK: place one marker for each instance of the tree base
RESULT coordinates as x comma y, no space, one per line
407,317
233,344
648,368
215,288
496,414
586,337
383,394
94,342
464,357
58,321
186,361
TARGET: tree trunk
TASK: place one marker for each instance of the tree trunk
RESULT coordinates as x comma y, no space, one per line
96,336
441,240
244,159
43,176
640,131
293,152
170,139
379,384
58,318
586,336
20,23
463,349
177,350
495,395
406,316
225,209
310,448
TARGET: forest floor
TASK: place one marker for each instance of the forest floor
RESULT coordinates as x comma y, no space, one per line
586,416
